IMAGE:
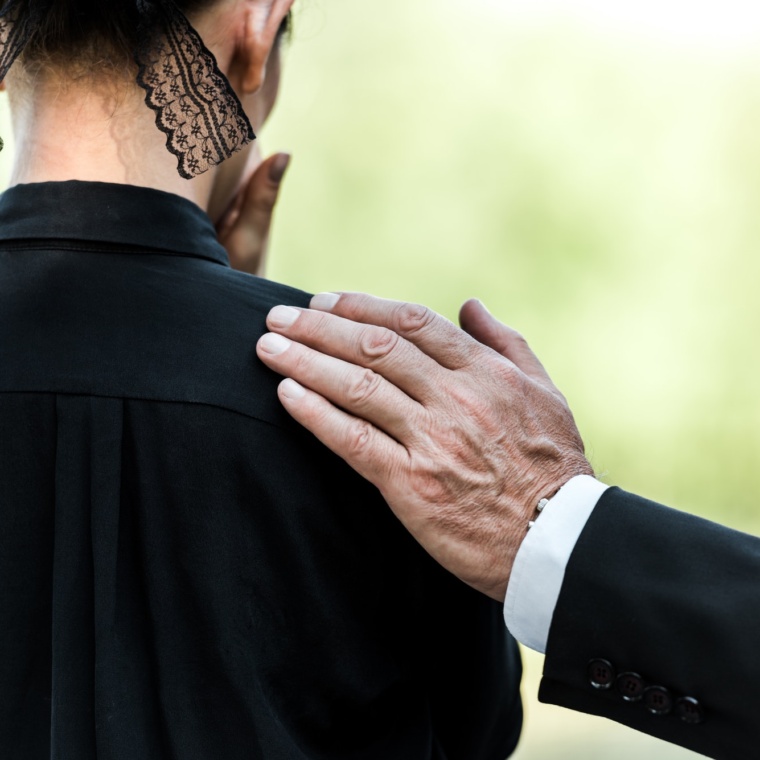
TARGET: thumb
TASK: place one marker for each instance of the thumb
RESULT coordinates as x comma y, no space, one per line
478,322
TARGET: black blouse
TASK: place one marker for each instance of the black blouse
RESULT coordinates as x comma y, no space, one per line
185,573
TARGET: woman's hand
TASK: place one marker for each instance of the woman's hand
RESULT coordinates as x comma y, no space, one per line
244,228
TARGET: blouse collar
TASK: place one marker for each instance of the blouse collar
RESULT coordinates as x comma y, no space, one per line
105,212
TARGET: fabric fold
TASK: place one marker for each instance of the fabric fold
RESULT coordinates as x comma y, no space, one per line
101,659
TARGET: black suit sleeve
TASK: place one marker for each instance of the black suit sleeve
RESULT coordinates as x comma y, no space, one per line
657,626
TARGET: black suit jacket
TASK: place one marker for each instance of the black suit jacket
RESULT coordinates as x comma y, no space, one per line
184,571
658,627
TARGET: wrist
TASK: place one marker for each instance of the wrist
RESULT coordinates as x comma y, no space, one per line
550,486
545,489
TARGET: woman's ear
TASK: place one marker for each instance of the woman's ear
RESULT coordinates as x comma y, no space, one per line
262,21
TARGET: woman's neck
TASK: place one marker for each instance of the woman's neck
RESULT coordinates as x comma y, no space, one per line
94,135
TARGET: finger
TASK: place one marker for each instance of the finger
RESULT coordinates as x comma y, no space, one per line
433,334
260,196
485,328
360,391
376,348
244,231
252,208
373,454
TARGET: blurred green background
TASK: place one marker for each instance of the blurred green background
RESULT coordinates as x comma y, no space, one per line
590,171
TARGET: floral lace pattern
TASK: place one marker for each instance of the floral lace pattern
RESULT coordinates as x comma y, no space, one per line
13,36
196,108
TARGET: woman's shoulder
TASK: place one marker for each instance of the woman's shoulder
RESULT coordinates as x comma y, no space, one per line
148,326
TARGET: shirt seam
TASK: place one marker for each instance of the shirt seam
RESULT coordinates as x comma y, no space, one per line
58,244
150,401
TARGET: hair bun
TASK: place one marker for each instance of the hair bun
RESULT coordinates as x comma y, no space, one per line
201,116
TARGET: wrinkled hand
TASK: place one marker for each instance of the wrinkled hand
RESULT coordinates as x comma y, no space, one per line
462,433
244,228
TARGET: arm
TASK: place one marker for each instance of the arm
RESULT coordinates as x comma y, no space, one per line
462,440
674,599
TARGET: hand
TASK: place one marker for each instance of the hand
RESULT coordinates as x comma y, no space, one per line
462,433
244,228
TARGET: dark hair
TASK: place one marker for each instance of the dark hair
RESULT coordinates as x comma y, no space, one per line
95,33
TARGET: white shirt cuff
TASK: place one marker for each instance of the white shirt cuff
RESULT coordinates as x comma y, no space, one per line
539,567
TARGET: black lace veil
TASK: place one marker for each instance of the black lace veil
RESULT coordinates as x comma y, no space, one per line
13,34
195,105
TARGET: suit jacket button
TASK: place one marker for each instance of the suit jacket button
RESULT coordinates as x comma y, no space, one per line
657,700
601,674
689,710
630,686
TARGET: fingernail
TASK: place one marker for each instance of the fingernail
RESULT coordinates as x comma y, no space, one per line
274,344
324,301
283,316
292,390
482,306
278,166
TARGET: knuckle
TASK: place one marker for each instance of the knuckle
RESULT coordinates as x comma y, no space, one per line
430,482
513,341
300,363
506,373
519,339
264,202
376,343
432,491
522,344
412,318
359,439
464,396
362,386
468,401
311,326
